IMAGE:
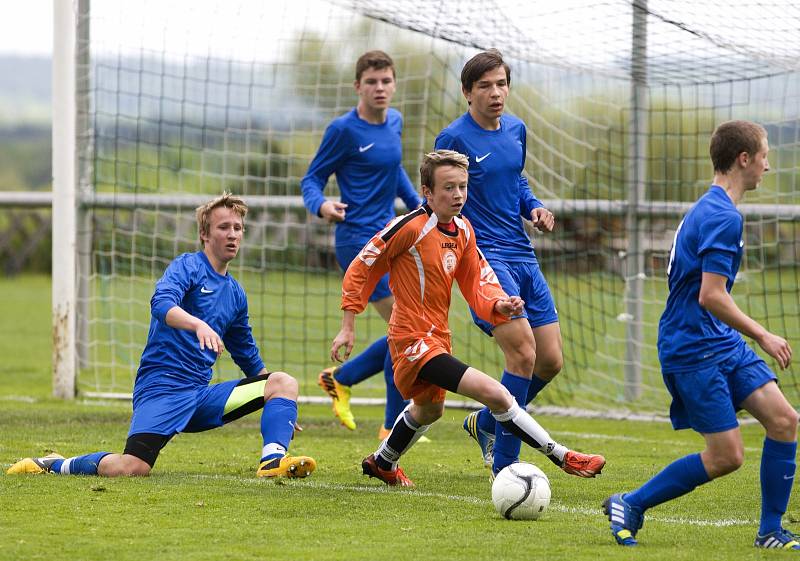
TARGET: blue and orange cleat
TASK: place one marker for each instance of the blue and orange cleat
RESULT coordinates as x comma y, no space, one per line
625,520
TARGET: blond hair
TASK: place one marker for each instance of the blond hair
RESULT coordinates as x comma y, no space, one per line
437,159
203,212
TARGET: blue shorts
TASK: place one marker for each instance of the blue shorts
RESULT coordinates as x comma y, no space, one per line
345,255
706,399
523,279
167,411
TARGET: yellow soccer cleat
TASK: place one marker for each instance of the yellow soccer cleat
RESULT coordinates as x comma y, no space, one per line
340,395
287,466
34,465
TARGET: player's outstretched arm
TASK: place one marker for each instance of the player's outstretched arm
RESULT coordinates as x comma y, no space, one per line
716,299
345,338
178,318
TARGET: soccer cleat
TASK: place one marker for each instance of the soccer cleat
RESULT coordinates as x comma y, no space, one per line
395,477
287,466
339,394
484,439
625,520
779,539
583,465
34,465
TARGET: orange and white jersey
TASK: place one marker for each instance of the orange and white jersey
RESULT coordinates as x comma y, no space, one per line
423,260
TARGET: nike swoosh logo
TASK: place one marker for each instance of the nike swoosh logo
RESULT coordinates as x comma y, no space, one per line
365,148
204,290
787,477
481,158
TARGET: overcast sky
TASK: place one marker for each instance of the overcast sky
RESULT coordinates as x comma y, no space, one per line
27,28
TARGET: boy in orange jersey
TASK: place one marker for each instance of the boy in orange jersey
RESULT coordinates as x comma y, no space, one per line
424,251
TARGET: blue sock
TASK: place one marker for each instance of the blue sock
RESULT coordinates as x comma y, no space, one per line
537,385
675,480
277,426
777,475
485,420
394,401
366,364
79,465
506,445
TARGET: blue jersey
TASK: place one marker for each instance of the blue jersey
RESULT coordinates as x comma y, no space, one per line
366,159
499,195
172,357
708,239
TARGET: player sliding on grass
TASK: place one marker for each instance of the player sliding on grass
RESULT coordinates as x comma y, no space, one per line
424,251
707,366
362,148
198,310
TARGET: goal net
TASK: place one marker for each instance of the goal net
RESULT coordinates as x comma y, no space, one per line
179,101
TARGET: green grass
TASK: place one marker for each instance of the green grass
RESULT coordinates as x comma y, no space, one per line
204,502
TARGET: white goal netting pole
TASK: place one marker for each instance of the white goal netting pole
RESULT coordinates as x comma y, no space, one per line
64,199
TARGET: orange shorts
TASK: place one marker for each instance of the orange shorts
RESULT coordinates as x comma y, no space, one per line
409,355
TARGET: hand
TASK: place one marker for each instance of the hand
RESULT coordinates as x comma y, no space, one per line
332,211
208,338
543,219
778,348
345,339
511,306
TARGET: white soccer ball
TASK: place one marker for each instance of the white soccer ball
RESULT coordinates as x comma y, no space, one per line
521,492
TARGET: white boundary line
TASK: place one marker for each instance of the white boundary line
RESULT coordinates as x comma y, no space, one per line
384,490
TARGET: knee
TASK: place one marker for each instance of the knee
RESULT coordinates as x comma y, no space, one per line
784,427
521,358
497,397
139,468
124,465
281,384
428,413
725,463
548,366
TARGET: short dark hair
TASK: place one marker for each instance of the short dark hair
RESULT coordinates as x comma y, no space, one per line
731,139
373,59
480,64
439,158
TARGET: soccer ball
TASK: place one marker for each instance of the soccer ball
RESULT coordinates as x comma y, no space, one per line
521,492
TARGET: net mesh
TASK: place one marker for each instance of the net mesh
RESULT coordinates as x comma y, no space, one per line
174,109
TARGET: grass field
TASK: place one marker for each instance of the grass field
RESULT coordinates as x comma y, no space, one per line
203,501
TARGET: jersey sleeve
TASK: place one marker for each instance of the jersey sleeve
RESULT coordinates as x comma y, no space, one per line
527,200
176,281
240,343
478,282
329,157
444,141
372,262
719,242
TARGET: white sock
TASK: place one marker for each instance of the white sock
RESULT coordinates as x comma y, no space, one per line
528,425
